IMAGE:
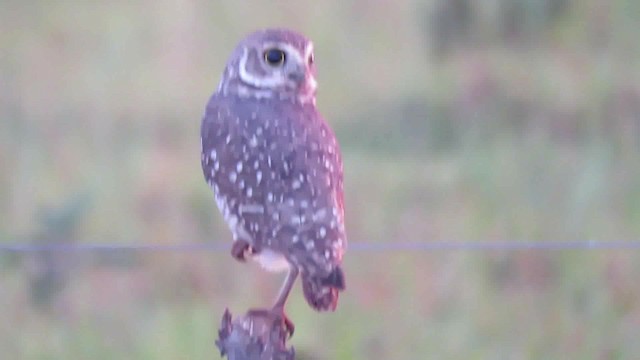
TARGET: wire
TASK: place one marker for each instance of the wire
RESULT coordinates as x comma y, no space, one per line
353,246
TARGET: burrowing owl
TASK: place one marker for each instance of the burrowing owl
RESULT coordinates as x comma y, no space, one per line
275,165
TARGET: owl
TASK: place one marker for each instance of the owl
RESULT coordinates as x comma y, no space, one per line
275,166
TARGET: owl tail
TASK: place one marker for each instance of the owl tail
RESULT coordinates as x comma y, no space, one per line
322,293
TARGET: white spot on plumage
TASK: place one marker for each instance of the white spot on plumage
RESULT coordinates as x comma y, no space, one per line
319,215
322,232
270,197
254,141
259,177
295,185
249,192
233,176
239,167
251,209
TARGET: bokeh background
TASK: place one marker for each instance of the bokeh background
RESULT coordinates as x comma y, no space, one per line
459,120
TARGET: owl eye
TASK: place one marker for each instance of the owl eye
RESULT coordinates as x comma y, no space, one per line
274,57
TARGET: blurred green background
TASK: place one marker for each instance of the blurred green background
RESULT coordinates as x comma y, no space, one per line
459,120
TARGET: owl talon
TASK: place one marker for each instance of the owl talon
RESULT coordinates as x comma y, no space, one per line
241,249
288,324
277,317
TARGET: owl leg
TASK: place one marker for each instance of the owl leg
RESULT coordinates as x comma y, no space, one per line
283,295
285,290
240,249
277,311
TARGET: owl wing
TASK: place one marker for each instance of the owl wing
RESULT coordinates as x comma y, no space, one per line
228,166
314,179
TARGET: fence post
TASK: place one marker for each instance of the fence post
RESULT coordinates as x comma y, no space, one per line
253,337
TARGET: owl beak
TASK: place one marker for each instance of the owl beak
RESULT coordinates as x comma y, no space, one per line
297,76
303,80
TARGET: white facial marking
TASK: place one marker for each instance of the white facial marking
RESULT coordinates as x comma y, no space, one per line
260,82
278,78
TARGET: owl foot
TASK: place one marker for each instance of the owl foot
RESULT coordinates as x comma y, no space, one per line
275,315
253,337
241,249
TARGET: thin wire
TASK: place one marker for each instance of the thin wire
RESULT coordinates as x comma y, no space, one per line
370,247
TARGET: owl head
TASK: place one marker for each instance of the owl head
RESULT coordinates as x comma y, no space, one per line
271,63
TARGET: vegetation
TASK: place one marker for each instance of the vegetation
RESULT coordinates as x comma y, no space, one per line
459,120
